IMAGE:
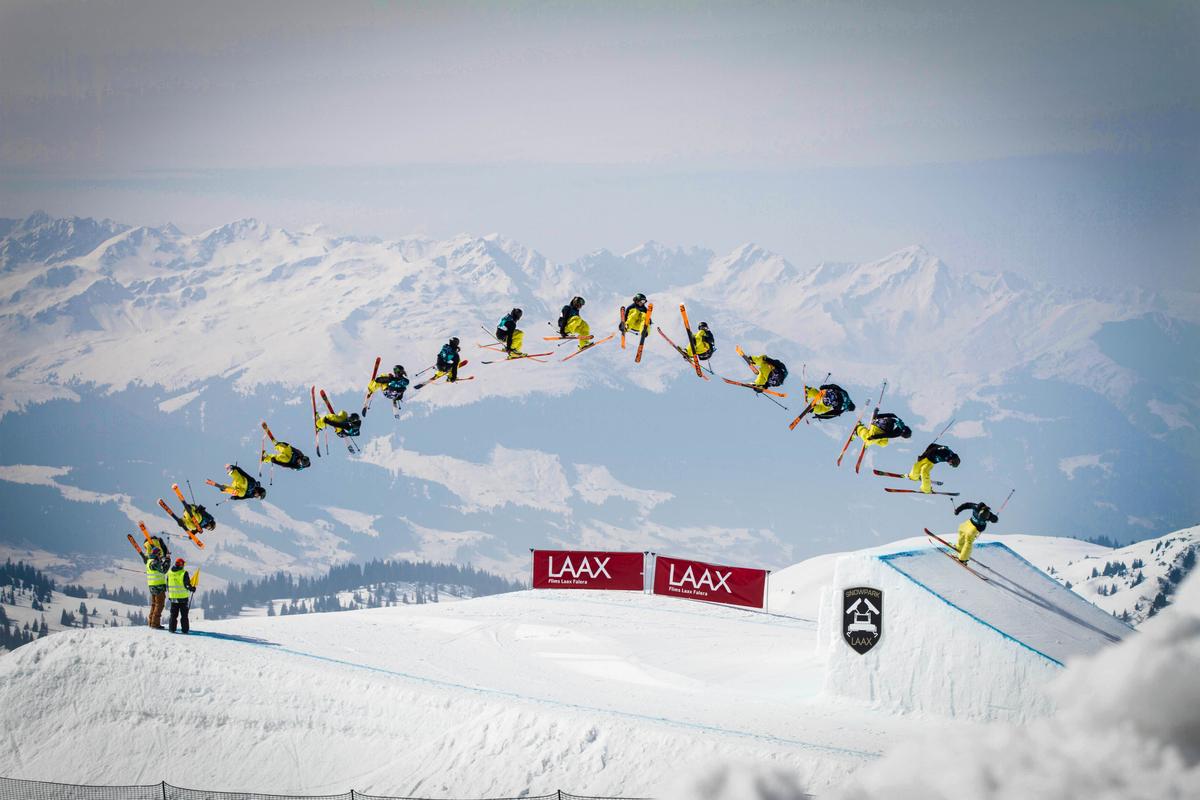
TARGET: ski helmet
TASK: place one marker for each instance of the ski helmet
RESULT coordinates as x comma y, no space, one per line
703,326
354,419
304,462
639,298
454,341
398,369
209,524
259,492
516,313
955,460
179,562
577,302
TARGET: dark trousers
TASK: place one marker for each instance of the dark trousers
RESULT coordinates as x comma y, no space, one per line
179,611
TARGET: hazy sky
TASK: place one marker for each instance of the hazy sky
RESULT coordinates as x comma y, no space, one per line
1056,139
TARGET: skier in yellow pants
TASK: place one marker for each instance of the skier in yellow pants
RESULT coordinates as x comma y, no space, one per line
635,315
508,333
934,454
570,324
883,428
969,530
771,371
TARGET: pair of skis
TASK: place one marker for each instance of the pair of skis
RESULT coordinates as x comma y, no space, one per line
438,376
883,474
690,354
763,390
622,315
179,520
854,430
501,346
951,552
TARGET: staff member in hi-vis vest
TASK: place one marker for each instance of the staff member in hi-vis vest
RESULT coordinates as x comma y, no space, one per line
180,586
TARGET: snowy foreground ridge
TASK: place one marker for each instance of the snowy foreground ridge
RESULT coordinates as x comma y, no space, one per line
615,693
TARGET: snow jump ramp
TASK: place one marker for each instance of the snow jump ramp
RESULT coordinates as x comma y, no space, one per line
912,631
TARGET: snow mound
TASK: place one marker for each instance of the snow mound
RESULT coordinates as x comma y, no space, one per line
1128,727
954,644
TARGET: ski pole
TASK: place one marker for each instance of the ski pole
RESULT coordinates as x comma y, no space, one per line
422,372
773,400
943,433
1002,505
188,481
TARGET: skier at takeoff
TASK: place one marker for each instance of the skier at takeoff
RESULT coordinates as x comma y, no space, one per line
829,400
771,371
883,428
287,457
508,333
970,529
447,360
242,487
934,454
635,315
573,326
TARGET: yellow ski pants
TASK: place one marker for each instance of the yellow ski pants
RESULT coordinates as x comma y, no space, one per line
577,327
967,532
920,472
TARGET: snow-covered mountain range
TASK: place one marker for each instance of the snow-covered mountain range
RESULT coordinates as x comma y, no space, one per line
133,357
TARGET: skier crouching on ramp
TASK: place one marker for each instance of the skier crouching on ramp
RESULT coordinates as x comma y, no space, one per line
970,529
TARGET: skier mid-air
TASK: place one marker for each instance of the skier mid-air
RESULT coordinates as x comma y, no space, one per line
242,485
934,454
573,326
509,334
634,319
392,385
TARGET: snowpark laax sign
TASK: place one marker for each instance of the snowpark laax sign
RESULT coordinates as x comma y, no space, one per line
588,569
714,583
862,617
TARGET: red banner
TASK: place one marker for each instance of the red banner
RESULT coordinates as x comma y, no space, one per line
588,569
713,583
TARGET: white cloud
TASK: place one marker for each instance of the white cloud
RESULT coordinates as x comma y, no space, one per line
968,429
1140,522
595,484
1072,464
530,478
1174,416
752,547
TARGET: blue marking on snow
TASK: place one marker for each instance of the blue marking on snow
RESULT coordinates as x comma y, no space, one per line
557,703
887,559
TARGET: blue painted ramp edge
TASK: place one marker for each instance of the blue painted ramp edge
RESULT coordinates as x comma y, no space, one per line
888,558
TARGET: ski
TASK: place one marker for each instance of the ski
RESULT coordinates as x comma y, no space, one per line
145,532
637,359
762,389
211,482
136,546
517,357
746,358
267,431
179,494
179,520
316,429
569,337
687,328
918,491
801,416
854,429
858,461
590,345
621,326
679,350
883,474
328,404
374,375
951,553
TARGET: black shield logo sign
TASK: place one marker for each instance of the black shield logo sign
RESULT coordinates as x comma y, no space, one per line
862,617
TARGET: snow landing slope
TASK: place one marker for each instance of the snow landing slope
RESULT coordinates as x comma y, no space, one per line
605,693
954,644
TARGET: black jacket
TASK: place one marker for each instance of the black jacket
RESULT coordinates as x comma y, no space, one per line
980,522
938,453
